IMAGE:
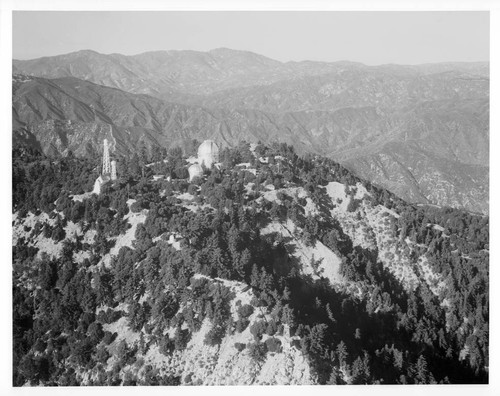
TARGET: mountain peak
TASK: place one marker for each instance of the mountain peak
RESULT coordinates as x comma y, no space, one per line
85,53
225,52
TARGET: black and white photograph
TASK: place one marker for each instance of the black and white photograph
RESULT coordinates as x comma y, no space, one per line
273,197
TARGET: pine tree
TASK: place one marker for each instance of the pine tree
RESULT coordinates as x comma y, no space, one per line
342,353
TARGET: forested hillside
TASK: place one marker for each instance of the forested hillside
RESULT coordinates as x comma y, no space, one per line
275,268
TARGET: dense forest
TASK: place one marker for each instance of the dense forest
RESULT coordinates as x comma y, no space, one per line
371,328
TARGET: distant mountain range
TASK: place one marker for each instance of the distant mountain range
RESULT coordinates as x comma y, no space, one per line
420,131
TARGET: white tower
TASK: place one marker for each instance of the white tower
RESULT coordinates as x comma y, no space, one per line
106,166
113,170
108,170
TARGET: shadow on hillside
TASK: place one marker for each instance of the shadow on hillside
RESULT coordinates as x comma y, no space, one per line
377,332
293,261
323,202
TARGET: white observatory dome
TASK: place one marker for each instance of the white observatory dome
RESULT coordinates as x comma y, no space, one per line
208,153
195,170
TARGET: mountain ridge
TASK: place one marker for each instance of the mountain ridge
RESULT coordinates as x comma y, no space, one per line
140,68
342,109
232,50
133,118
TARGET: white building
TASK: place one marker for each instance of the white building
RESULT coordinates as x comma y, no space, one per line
208,153
99,182
195,170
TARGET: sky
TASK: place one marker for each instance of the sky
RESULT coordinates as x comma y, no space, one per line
370,37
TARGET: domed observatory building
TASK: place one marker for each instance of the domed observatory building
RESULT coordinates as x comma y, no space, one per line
195,170
208,153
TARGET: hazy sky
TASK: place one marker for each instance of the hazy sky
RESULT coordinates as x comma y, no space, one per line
370,37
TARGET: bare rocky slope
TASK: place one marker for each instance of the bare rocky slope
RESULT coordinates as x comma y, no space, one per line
439,113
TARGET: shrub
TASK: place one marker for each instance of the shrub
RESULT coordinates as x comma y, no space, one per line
109,337
241,324
273,345
296,344
170,380
192,189
353,205
95,331
245,311
239,346
257,351
58,233
281,196
102,355
257,329
129,379
109,316
136,207
214,336
39,346
258,302
188,379
272,327
181,338
181,173
166,345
